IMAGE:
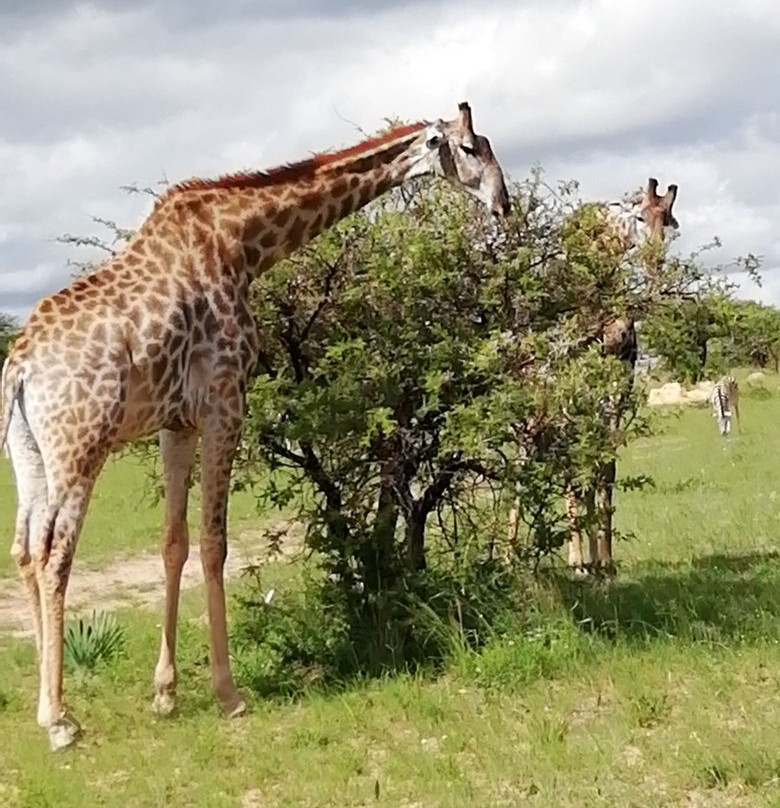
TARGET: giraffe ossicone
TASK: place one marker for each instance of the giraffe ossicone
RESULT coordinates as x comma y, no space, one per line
161,339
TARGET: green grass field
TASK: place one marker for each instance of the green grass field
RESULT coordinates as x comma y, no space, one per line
675,703
123,518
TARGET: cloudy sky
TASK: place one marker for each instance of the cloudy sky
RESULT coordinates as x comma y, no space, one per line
97,95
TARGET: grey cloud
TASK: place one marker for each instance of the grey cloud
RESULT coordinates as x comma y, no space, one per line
116,92
184,15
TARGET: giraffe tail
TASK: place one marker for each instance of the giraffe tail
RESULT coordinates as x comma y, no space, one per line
10,385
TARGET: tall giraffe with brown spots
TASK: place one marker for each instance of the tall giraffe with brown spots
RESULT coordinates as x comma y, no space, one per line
161,338
628,224
631,224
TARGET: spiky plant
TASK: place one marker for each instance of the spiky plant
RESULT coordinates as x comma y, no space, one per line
90,642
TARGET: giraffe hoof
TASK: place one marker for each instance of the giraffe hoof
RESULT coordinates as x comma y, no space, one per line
164,704
64,733
235,709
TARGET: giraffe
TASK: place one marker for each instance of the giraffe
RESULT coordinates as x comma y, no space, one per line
161,339
645,219
628,224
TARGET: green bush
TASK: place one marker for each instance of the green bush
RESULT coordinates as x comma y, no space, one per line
321,634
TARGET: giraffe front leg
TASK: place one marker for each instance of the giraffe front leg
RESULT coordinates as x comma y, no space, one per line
220,440
575,561
589,499
604,510
513,524
178,452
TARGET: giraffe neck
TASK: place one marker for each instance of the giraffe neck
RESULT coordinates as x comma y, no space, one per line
259,219
342,188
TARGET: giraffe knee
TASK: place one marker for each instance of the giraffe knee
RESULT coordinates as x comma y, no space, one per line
56,567
20,553
20,549
212,557
175,547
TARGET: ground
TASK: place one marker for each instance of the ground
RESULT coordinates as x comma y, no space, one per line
675,702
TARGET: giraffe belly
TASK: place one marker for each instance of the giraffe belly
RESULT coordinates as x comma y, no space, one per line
142,417
179,400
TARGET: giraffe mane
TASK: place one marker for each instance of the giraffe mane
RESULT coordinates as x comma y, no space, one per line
302,169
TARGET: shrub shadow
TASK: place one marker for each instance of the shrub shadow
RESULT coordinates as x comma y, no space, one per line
716,598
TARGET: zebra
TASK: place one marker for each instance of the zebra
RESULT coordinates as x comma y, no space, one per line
724,400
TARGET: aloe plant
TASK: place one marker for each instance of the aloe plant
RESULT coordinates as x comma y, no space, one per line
90,642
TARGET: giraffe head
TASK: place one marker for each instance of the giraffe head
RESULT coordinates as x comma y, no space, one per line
454,151
656,211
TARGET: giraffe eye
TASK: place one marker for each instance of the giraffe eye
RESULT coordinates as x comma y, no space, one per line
470,150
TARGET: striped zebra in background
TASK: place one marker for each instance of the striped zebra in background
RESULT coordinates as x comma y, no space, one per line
725,400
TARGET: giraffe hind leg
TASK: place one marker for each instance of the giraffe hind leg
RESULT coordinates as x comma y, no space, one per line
575,561
33,526
603,562
68,501
54,491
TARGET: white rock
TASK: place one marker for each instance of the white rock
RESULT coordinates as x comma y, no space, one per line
697,396
670,393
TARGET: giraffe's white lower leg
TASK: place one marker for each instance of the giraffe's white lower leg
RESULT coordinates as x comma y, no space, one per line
575,561
34,522
21,555
44,714
53,558
52,573
177,451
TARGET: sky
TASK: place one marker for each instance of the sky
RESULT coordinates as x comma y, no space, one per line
94,96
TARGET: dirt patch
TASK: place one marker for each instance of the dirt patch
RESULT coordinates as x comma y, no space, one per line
140,581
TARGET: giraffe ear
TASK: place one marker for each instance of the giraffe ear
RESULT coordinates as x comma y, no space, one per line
669,197
651,194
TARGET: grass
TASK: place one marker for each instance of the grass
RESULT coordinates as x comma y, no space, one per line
122,519
660,689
